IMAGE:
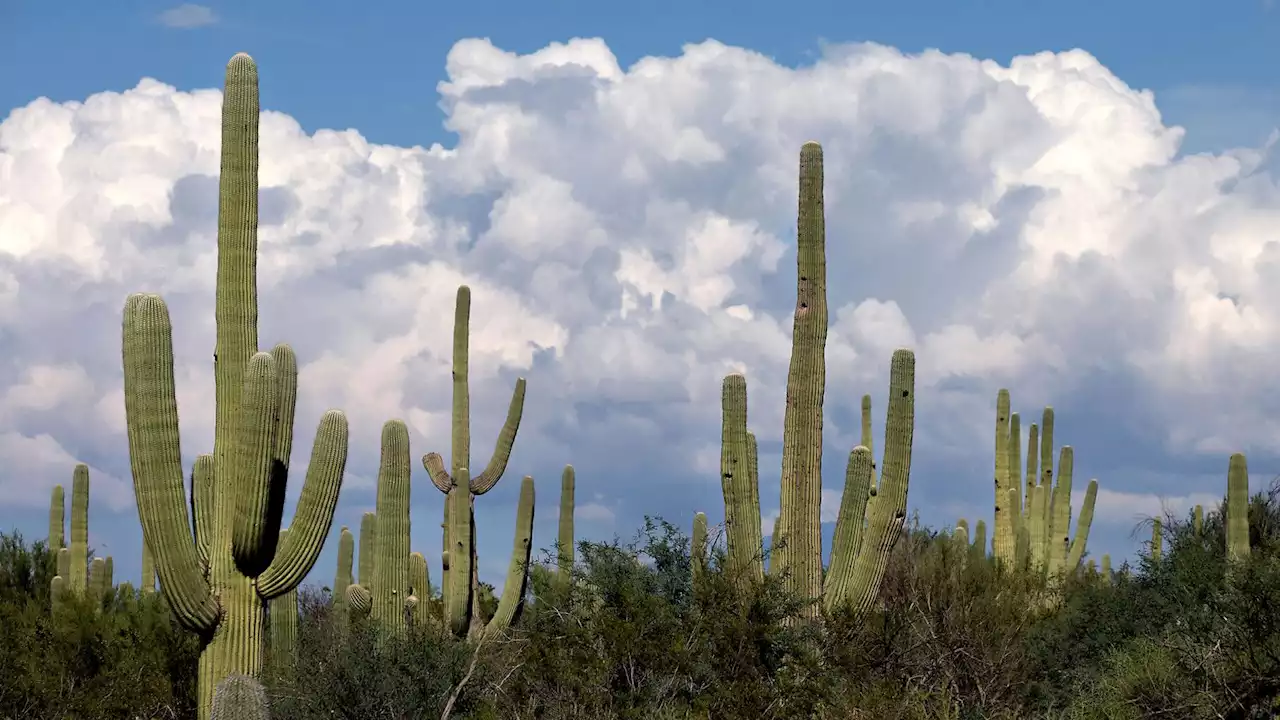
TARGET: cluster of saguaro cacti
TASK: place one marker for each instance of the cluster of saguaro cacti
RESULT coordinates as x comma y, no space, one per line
219,573
871,513
75,574
1034,527
459,579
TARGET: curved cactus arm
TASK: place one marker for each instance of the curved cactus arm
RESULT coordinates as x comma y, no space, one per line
1083,524
359,599
485,481
313,517
850,524
57,513
564,538
202,505
513,590
458,593
253,477
884,524
436,470
151,410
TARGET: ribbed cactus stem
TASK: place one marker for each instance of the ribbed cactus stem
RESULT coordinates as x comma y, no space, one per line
77,581
57,512
1060,518
1003,543
513,590
698,545
1197,520
1033,467
565,537
961,532
64,562
741,500
219,581
1237,508
342,578
979,546
1106,568
97,580
806,383
1083,523
391,538
458,594
850,527
148,570
239,697
1157,539
419,576
284,626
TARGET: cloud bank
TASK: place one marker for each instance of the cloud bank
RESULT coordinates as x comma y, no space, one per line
628,237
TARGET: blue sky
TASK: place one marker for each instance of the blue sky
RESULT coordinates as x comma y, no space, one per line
619,204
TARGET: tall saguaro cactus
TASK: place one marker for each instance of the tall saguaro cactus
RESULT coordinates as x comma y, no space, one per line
1237,508
219,575
391,533
460,598
740,486
564,538
79,530
513,590
57,516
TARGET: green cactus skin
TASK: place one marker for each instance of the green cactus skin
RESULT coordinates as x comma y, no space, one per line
806,384
511,603
1015,472
391,534
740,490
1106,568
239,697
1157,540
219,581
1083,523
284,630
461,458
961,532
1060,514
96,587
419,576
78,579
1237,508
565,536
1197,520
359,600
1036,524
979,546
57,513
64,562
459,593
857,587
698,545
57,592
850,527
342,578
1033,465
1003,543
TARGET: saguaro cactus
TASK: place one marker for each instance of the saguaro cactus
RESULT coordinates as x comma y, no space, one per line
343,578
219,579
391,534
57,512
564,539
698,545
460,598
78,580
513,590
359,598
740,486
1237,508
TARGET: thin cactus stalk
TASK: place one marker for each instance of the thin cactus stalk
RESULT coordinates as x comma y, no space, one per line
445,480
513,590
1157,540
97,582
1033,465
459,593
1106,568
391,536
1004,542
741,491
219,581
565,536
1083,523
806,383
342,578
78,579
1237,508
239,697
979,547
1197,520
57,513
698,545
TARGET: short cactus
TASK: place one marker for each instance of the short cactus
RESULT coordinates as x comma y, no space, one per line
239,697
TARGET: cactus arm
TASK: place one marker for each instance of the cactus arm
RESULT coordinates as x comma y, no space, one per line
1083,523
203,504
890,511
434,465
1033,464
313,517
513,590
151,409
364,567
286,365
850,524
1157,540
359,599
564,538
1197,520
254,474
485,481
1060,516
57,511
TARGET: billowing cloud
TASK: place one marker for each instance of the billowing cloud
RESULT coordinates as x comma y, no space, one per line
187,16
628,237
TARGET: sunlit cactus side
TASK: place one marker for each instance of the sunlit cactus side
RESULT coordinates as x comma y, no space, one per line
1237,508
359,598
239,697
97,582
740,489
218,581
391,535
961,533
565,536
461,607
57,513
419,587
511,603
1083,524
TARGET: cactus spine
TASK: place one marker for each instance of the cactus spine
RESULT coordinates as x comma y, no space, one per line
461,597
219,581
